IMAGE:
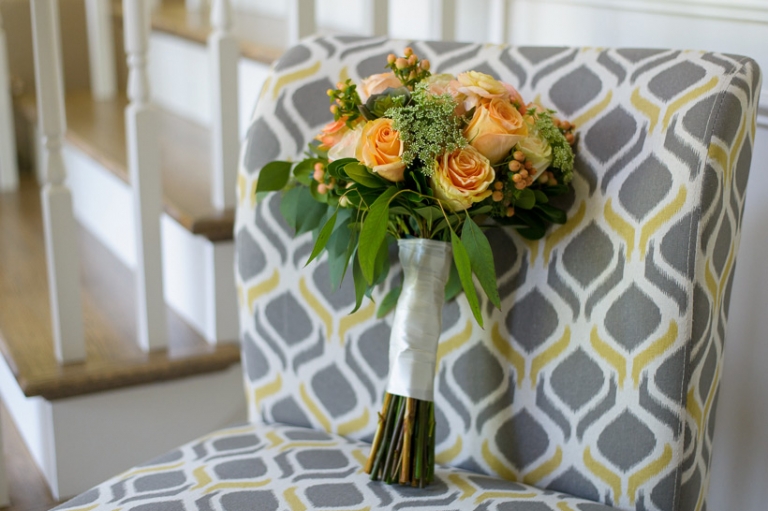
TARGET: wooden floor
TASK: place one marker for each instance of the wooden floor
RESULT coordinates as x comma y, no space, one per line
27,488
113,358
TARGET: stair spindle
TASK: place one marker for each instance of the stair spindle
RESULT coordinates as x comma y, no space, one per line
143,148
58,220
224,54
498,14
377,17
101,49
301,20
443,20
9,172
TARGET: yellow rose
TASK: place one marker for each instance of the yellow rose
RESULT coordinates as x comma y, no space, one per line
477,87
538,151
462,178
381,150
495,129
376,84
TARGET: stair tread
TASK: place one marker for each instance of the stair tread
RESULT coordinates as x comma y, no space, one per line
98,129
261,38
113,358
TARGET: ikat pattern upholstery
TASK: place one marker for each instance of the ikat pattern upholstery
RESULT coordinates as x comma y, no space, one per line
277,467
597,379
599,375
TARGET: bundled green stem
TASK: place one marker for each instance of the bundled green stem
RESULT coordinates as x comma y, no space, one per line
403,449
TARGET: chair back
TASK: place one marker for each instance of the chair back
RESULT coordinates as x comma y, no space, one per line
599,375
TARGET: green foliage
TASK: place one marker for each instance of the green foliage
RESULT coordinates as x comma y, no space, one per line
464,267
481,259
274,176
561,150
428,128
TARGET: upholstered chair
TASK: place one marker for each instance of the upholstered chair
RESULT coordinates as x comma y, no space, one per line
594,386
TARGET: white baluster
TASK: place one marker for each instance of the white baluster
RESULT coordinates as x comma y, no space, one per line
498,14
443,20
9,171
301,20
101,49
58,221
141,122
377,17
224,54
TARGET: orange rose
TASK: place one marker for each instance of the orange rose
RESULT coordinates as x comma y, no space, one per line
332,132
462,178
345,148
479,87
381,150
495,128
376,84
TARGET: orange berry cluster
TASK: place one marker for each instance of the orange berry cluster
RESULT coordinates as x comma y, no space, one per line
319,175
567,129
408,69
344,101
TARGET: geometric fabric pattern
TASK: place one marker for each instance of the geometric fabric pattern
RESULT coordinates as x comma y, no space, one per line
596,383
278,467
599,375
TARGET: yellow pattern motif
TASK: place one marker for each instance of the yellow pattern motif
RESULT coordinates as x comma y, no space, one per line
546,468
687,98
550,354
610,355
604,473
354,425
621,226
658,348
557,235
662,217
352,320
313,408
292,77
496,464
450,453
325,316
260,393
262,288
293,500
504,347
644,474
454,343
594,111
646,107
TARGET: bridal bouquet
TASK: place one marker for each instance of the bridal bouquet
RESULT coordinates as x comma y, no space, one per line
429,160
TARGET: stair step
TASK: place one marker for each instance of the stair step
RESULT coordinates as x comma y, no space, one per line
113,358
98,129
262,38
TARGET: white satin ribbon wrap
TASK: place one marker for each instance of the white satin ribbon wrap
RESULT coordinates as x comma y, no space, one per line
418,318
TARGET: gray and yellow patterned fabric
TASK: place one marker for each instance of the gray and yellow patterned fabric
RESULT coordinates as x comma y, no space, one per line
596,380
598,377
278,467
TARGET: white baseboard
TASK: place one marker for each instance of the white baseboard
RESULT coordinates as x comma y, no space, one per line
198,274
79,442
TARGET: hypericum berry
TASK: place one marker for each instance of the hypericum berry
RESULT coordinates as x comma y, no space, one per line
498,185
497,196
391,58
401,63
514,165
519,156
510,211
318,175
322,188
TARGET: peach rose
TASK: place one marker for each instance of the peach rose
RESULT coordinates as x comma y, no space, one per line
462,178
345,148
332,133
514,96
477,87
381,150
495,128
376,84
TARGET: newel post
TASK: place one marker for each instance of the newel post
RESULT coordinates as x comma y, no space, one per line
443,20
9,171
301,20
141,122
377,17
224,54
58,220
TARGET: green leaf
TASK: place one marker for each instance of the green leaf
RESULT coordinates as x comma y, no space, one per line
483,210
551,213
464,268
360,174
453,286
309,212
335,167
526,200
481,259
304,169
431,213
389,302
289,205
274,176
360,284
340,247
323,237
541,197
373,232
382,261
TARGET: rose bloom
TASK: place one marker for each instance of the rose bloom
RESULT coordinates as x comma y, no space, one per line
345,148
514,97
332,133
538,151
495,128
376,84
462,178
478,87
381,150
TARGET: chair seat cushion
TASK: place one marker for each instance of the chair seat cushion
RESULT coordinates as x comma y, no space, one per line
280,467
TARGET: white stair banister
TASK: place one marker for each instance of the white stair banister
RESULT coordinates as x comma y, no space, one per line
141,123
9,171
498,14
58,220
101,49
377,17
301,20
224,54
443,20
